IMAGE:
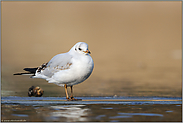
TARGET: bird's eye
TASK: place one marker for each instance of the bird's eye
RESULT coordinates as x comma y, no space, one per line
79,48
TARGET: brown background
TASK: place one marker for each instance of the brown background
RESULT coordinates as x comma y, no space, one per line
136,46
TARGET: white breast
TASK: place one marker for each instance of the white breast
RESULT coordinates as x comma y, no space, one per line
79,71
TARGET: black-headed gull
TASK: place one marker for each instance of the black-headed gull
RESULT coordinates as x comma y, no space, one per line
66,69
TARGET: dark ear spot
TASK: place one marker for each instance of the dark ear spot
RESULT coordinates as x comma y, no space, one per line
75,49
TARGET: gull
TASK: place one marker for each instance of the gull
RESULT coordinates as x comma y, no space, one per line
65,69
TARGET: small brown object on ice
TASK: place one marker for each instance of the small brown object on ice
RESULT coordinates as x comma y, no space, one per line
35,91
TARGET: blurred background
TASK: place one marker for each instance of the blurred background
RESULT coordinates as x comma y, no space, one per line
136,46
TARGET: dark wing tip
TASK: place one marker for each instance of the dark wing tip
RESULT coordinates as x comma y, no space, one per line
31,70
17,74
23,73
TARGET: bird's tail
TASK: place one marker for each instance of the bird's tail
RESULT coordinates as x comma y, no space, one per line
30,71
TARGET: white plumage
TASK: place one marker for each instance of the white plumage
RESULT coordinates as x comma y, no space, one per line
66,69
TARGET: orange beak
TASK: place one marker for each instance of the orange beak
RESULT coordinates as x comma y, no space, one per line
87,51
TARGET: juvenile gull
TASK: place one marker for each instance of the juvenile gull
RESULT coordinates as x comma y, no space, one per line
66,69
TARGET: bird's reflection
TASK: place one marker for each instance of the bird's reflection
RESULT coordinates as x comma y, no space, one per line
70,112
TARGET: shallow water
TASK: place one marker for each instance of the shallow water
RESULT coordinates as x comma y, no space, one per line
91,109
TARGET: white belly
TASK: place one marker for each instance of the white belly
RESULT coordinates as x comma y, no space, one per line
80,70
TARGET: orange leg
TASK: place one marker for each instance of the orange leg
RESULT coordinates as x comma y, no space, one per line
71,97
67,96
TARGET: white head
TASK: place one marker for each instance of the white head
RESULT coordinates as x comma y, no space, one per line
80,47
